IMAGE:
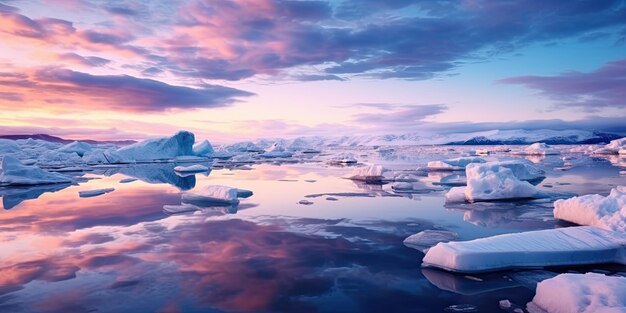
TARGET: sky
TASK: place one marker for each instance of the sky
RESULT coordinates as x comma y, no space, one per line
231,70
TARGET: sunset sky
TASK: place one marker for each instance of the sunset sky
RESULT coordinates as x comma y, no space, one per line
243,69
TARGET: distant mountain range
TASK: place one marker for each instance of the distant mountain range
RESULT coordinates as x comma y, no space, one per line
50,138
492,137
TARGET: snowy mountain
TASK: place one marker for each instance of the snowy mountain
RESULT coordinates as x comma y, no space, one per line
492,137
60,140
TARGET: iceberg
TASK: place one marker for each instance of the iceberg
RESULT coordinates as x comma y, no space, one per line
612,147
276,151
582,293
213,195
203,149
53,158
371,173
425,239
493,181
595,210
9,146
155,149
95,192
16,173
538,148
78,147
178,209
456,164
191,169
552,247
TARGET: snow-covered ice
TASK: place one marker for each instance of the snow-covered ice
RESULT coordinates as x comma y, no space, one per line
191,169
581,293
370,173
550,247
95,192
494,181
606,212
155,149
203,148
455,164
78,147
211,196
425,239
16,173
538,148
612,147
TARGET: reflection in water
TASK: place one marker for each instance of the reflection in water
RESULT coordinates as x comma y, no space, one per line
121,253
11,197
156,174
468,285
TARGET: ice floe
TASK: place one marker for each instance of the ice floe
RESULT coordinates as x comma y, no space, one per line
595,210
551,247
213,195
371,173
53,158
538,148
494,181
456,164
581,293
612,147
191,169
16,173
425,239
95,192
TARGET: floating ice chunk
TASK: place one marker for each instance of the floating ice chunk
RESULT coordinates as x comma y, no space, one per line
595,210
371,173
425,239
551,247
461,308
8,146
127,180
191,169
456,164
305,202
16,173
346,158
95,192
276,151
213,195
177,209
203,148
80,148
582,293
612,147
492,181
156,149
243,193
482,151
402,187
538,148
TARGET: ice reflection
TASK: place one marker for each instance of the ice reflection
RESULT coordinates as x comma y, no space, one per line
155,174
11,197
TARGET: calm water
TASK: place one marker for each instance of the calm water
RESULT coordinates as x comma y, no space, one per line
120,252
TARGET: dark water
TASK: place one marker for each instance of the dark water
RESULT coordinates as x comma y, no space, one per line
120,252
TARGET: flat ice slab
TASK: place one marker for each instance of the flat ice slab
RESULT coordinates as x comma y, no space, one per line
191,169
551,247
584,293
606,212
95,192
425,239
213,195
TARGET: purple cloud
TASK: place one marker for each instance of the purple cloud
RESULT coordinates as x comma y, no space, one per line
592,91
